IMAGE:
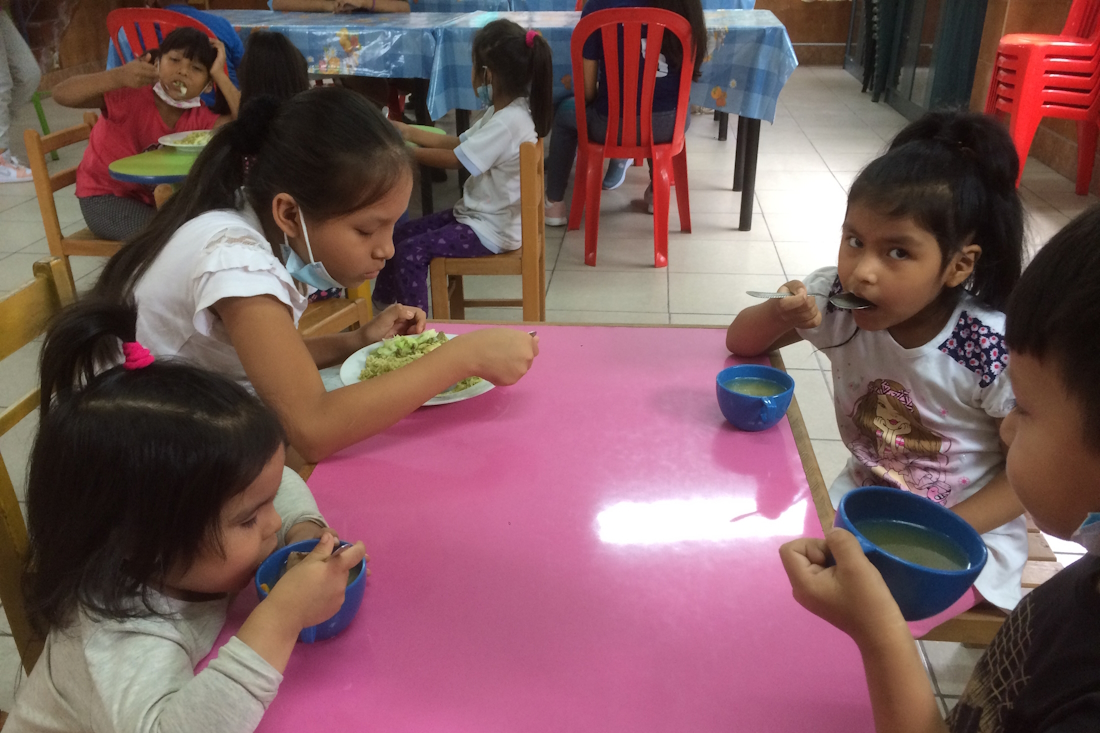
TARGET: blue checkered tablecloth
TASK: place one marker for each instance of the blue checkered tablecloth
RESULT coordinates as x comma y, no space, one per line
749,59
459,6
388,45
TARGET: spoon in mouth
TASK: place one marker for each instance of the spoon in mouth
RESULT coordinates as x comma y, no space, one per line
844,301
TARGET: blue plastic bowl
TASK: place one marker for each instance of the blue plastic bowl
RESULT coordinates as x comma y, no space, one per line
919,591
746,412
353,596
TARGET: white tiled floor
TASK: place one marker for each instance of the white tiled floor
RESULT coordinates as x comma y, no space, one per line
824,132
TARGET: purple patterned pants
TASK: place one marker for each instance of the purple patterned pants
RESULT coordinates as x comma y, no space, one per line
404,279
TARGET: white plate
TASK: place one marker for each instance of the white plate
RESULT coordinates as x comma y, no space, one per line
353,367
173,141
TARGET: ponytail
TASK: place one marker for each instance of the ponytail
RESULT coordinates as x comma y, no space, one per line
522,65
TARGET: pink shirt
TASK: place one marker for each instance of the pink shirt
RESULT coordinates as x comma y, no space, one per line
130,124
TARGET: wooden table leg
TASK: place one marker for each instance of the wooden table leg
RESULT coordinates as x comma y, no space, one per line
462,124
739,156
723,125
748,190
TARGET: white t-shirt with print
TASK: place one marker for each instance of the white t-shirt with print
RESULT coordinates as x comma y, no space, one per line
220,254
925,419
489,150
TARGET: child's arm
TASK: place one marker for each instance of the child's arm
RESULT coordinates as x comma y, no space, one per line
852,596
225,84
771,325
305,6
991,506
435,150
373,6
87,90
284,373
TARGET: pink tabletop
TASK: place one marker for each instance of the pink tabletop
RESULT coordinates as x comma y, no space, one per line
592,549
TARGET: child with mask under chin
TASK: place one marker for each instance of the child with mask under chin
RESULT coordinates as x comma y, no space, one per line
140,102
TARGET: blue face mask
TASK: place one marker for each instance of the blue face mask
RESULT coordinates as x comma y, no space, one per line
485,94
1088,534
314,274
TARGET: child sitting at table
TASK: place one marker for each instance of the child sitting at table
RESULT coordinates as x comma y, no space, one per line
155,491
150,97
1042,670
933,240
513,75
214,273
563,143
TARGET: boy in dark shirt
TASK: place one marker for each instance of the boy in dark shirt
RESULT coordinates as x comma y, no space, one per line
1042,671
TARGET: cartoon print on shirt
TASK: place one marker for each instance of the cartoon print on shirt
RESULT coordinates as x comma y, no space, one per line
895,446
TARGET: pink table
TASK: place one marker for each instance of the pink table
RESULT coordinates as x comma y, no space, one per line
593,549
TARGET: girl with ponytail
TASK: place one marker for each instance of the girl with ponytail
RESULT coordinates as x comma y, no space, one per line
155,491
219,274
513,76
933,240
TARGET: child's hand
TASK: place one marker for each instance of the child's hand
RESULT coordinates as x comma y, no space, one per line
140,72
499,355
397,320
313,590
799,310
401,128
219,62
850,595
349,6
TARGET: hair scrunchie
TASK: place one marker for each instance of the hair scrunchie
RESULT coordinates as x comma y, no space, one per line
530,38
137,356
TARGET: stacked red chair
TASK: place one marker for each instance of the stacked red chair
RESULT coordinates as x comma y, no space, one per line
1037,76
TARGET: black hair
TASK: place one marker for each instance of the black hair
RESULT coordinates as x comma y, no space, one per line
692,12
328,147
130,468
518,70
1054,312
955,175
271,65
195,46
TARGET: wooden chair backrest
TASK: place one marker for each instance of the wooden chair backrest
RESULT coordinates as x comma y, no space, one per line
24,315
45,184
533,214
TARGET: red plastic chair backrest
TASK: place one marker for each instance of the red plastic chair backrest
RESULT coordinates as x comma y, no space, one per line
626,106
145,28
1083,20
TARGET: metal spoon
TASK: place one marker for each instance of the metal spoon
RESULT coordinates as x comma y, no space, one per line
844,301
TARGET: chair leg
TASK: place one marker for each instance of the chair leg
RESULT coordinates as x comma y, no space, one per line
437,276
594,186
1026,116
1087,131
580,180
662,167
458,298
680,171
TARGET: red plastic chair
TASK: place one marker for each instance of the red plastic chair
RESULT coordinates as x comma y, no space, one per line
145,28
669,159
1038,76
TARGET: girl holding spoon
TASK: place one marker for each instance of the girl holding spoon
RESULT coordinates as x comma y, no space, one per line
931,247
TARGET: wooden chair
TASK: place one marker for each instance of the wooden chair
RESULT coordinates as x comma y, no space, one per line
82,243
24,316
529,261
337,314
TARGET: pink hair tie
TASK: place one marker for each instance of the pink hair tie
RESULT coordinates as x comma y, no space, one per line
137,356
531,37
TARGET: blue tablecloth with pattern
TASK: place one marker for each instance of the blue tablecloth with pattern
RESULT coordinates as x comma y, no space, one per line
387,45
749,54
566,5
749,59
